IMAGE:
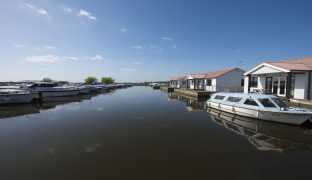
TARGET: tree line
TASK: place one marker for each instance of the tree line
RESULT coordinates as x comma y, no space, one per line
89,80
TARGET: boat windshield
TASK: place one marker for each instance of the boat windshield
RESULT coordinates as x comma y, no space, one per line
279,102
218,97
267,102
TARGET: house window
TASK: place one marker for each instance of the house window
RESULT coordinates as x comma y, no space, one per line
183,82
208,82
254,82
242,82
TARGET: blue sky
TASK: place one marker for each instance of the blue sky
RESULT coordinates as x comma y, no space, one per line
138,40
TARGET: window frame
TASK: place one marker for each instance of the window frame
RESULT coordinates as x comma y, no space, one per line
234,99
209,82
219,98
265,105
253,82
250,99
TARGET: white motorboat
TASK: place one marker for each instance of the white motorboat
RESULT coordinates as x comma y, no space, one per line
52,90
101,87
13,96
259,106
84,90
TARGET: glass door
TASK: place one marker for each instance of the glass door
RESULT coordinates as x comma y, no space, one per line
268,85
275,85
292,87
282,86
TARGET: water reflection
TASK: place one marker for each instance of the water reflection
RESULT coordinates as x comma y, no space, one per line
191,104
262,134
265,135
45,104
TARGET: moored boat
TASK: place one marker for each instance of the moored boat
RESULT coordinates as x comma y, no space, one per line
259,106
13,96
52,90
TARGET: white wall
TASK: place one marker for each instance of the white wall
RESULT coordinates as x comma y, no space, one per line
180,84
300,86
231,80
211,88
266,70
261,82
246,82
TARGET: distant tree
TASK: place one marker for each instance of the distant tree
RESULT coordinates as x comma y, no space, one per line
90,80
46,79
107,80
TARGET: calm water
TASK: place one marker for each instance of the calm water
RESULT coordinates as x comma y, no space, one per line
140,133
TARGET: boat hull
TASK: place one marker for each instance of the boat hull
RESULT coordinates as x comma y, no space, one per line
288,118
44,94
16,98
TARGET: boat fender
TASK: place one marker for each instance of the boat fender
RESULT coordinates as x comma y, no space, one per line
219,106
233,109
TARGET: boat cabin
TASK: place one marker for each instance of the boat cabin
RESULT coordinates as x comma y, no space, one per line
249,100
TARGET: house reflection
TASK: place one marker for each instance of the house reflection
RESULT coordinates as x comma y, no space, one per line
265,135
191,104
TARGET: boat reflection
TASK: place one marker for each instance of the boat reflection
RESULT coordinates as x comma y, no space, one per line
45,104
265,135
191,104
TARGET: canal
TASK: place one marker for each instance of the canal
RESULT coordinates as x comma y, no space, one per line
141,133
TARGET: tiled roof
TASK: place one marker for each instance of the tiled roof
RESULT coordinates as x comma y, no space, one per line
213,74
197,76
216,74
177,78
298,64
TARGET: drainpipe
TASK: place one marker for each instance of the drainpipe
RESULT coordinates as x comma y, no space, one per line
309,86
288,85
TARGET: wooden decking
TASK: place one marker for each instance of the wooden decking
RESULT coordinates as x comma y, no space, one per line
199,94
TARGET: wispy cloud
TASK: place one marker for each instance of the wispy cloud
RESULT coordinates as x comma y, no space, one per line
151,48
136,63
37,10
129,69
18,45
53,58
42,59
138,47
169,39
96,57
70,58
123,30
83,13
49,47
155,49
66,9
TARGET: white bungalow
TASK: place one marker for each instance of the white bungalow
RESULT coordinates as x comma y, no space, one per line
290,78
230,80
178,82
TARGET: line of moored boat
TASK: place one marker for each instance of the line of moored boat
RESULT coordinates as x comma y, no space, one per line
26,93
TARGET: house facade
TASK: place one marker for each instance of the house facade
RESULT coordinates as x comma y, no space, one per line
178,82
227,80
289,78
